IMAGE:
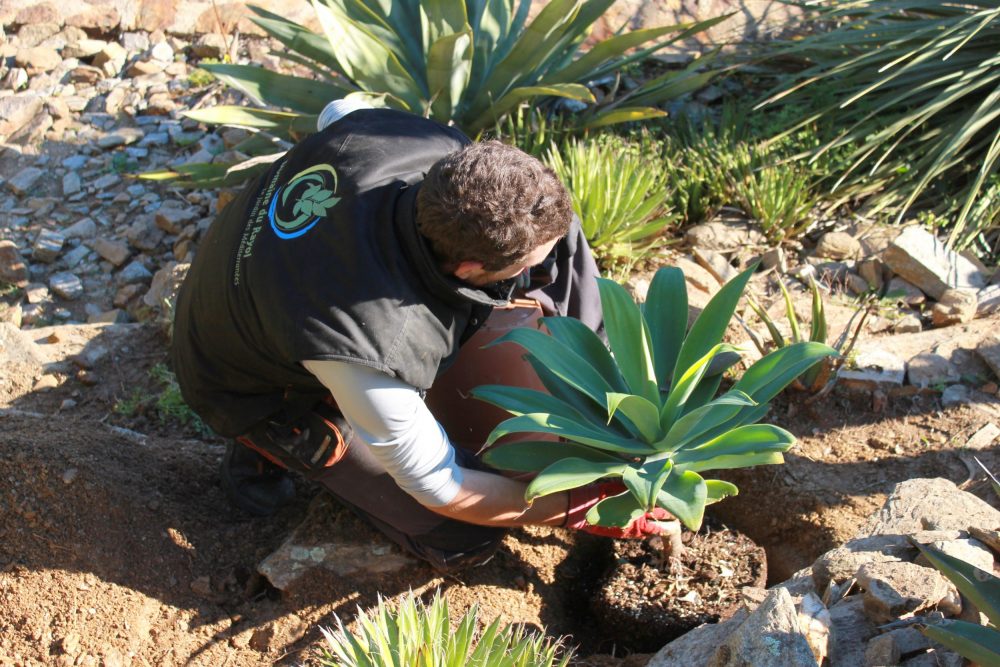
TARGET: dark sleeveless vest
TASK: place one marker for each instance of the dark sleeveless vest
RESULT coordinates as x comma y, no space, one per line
321,259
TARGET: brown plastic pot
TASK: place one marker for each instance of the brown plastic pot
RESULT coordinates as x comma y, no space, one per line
468,421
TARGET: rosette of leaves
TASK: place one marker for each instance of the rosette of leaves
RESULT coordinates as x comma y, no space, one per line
644,411
315,201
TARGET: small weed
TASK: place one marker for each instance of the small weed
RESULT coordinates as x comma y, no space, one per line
121,163
199,77
166,403
8,290
132,405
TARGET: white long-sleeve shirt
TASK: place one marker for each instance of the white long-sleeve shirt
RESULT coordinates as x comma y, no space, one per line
391,418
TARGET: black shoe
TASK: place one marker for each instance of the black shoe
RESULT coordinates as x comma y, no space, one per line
253,483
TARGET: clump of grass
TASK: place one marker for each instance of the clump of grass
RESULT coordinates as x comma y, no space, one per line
164,402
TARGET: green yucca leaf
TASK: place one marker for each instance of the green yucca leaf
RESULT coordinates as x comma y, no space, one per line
306,96
793,320
685,385
578,336
708,387
522,401
629,339
571,396
561,360
980,587
449,66
312,47
617,510
534,456
974,642
772,373
733,461
570,473
666,314
702,420
750,439
640,412
684,495
278,122
817,332
603,439
717,489
708,329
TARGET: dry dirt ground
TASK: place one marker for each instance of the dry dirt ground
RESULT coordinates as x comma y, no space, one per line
117,546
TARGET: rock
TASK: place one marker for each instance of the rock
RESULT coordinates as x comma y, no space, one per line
36,293
13,270
84,48
107,181
815,624
33,33
774,259
84,228
930,504
116,252
114,316
908,324
120,137
71,183
17,110
209,45
135,272
956,394
971,551
922,259
165,284
908,293
895,589
135,42
86,74
715,263
34,131
144,234
928,369
24,180
144,67
202,586
855,283
126,294
874,367
111,59
871,270
934,658
46,383
851,629
172,216
837,245
697,646
17,347
48,245
882,650
100,18
770,636
163,52
66,285
723,236
843,562
38,59
16,79
956,306
909,640
988,300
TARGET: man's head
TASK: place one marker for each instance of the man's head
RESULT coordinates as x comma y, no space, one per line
490,211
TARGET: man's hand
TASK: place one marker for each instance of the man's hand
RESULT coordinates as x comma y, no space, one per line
583,498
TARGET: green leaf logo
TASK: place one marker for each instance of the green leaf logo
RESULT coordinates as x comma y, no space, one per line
304,201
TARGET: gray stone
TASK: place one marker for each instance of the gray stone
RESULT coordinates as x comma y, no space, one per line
855,283
16,79
155,139
930,504
135,42
908,293
135,272
115,316
111,59
73,258
84,48
75,162
121,137
36,293
928,369
48,245
971,551
84,228
34,32
874,366
851,629
715,263
697,646
989,351
956,394
882,650
37,59
895,589
172,217
144,67
843,562
13,270
908,324
988,300
34,130
774,259
18,110
24,180
66,285
17,347
922,259
31,314
770,636
935,658
86,74
724,236
107,181
909,640
956,306
837,245
871,271
116,252
162,51
71,183
144,234
165,284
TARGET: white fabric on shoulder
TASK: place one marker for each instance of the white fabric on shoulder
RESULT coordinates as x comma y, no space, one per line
391,418
337,109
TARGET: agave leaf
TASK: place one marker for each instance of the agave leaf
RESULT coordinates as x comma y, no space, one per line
702,420
674,84
565,428
749,439
523,401
533,456
640,412
640,486
622,115
516,96
733,461
686,384
817,332
629,339
980,587
571,396
708,329
684,495
772,373
449,65
666,314
793,320
307,96
705,391
561,360
617,511
578,336
718,489
442,18
299,40
278,122
569,473
613,47
974,642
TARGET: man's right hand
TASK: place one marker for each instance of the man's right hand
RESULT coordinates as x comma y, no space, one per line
581,499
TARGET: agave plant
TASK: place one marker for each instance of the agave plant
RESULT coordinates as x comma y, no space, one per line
619,192
916,86
644,412
419,634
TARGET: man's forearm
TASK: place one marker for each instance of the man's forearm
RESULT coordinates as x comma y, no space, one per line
488,499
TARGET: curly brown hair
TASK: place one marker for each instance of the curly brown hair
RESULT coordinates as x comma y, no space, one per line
491,203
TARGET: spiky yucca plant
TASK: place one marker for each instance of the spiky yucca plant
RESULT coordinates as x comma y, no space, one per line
645,411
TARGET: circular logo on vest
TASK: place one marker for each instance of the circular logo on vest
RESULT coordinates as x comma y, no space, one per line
303,201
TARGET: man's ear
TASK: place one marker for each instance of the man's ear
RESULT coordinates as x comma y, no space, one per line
467,269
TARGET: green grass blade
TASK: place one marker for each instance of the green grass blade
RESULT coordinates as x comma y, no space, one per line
534,456
793,320
666,314
570,473
629,339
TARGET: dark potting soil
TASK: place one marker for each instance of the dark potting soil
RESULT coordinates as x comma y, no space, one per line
644,606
